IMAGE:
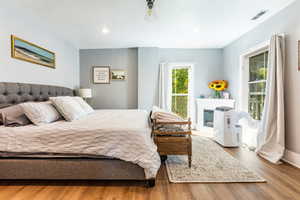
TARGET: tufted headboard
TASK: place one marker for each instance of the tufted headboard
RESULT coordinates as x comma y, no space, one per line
14,93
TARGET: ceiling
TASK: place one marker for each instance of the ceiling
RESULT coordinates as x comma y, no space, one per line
179,23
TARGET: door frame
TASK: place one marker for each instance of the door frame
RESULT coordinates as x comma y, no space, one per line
191,102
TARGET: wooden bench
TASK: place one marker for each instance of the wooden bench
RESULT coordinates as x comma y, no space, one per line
173,142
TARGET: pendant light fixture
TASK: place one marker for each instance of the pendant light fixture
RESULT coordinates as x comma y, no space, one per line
151,12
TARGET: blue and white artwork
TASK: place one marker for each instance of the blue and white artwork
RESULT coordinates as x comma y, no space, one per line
27,51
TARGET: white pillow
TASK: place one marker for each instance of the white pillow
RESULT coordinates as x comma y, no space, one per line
84,105
40,113
68,108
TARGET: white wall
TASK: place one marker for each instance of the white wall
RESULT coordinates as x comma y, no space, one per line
13,70
287,22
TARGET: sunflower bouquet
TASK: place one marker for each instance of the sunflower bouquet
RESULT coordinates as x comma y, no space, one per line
218,86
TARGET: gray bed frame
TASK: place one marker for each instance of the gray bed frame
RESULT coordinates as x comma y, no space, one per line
59,168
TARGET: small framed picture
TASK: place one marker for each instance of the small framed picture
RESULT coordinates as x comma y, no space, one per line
101,75
118,74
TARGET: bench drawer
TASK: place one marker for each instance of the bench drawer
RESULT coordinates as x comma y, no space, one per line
172,147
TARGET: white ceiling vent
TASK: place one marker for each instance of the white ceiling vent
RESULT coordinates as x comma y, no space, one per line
259,15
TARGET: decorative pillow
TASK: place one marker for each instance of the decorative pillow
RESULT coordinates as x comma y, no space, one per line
14,116
40,113
1,107
5,105
165,116
68,108
84,105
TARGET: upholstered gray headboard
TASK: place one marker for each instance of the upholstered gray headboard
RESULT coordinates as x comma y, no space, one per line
14,93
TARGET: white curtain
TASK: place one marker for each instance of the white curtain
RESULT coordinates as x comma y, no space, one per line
271,134
163,87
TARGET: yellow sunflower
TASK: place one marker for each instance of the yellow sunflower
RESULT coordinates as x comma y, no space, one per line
218,85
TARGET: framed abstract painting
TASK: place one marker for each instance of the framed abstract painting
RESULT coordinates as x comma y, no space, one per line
29,52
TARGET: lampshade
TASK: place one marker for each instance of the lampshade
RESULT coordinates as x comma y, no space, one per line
85,93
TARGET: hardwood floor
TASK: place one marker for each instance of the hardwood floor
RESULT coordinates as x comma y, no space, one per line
283,182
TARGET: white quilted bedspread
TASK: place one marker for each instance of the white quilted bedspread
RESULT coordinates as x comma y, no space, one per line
122,134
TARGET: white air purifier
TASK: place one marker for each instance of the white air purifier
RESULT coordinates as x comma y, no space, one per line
226,132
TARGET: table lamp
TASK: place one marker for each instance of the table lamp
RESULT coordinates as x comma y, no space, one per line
85,93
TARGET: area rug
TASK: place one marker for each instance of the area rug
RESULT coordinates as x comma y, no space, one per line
210,164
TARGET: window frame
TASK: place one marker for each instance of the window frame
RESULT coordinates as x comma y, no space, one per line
190,94
243,102
257,81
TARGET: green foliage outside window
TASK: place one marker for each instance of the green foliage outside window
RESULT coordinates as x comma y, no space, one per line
180,81
258,67
180,86
257,84
179,106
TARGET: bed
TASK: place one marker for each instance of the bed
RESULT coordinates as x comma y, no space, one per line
105,145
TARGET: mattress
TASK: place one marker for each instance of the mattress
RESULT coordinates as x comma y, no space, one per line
120,134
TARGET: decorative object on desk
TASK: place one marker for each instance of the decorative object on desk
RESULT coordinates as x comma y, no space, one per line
101,75
218,86
85,93
118,74
27,51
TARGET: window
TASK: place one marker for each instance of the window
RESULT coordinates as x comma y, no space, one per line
253,75
257,84
181,91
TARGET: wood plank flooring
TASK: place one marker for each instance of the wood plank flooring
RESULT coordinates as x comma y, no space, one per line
283,184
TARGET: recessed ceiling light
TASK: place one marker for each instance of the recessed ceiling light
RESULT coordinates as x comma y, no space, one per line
105,30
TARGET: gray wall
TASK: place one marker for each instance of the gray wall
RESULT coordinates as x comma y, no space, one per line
287,22
141,88
147,76
118,94
207,62
13,70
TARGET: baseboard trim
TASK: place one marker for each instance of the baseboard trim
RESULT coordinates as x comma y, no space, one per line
292,158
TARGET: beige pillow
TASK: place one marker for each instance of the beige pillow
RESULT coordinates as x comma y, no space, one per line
165,116
40,113
84,105
13,116
68,108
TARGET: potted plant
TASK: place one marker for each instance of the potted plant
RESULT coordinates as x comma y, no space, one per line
218,86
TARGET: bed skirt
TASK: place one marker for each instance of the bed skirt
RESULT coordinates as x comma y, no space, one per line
69,169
